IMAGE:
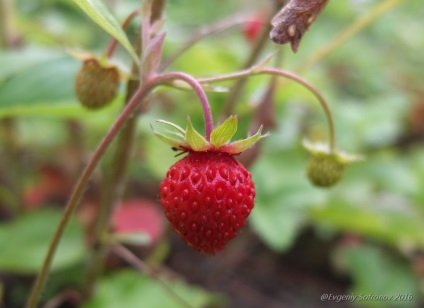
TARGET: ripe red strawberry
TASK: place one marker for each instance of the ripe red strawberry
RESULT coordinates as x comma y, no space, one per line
208,195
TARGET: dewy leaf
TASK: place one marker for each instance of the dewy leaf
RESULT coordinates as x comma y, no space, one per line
99,13
196,141
223,133
242,145
153,54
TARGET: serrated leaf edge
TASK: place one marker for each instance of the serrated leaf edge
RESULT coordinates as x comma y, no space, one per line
224,132
196,141
239,146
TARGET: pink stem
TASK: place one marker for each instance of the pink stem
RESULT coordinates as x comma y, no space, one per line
207,114
82,182
114,42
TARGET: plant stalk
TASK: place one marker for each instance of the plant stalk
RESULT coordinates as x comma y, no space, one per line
114,42
82,182
115,180
142,267
114,190
277,72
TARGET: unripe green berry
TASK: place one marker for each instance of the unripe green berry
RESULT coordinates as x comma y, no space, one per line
96,86
325,170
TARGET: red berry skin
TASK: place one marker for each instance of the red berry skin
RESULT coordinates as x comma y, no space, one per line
207,197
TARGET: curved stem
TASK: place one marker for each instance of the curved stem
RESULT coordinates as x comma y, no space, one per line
273,71
81,184
114,42
207,114
259,44
315,91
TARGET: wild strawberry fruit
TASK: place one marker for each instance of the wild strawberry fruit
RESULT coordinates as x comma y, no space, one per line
325,167
208,195
96,84
325,170
252,29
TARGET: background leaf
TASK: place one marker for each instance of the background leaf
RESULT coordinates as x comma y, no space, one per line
48,82
377,273
99,13
137,290
24,242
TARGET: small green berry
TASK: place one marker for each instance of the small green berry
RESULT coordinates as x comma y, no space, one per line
96,85
325,170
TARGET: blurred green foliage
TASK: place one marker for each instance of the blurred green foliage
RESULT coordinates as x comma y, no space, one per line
373,82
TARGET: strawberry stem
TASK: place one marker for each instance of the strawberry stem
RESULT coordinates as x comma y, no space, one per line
82,182
277,72
114,42
207,114
142,267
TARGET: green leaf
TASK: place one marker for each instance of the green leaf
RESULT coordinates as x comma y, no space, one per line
48,82
196,141
283,196
63,110
223,133
24,242
393,227
18,60
137,290
239,146
99,13
376,272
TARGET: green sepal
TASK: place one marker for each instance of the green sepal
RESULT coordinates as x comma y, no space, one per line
239,146
224,132
323,149
180,144
180,131
194,139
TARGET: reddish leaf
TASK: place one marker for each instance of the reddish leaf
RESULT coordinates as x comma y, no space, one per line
139,215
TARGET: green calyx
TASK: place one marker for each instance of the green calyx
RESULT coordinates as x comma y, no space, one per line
191,140
326,167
